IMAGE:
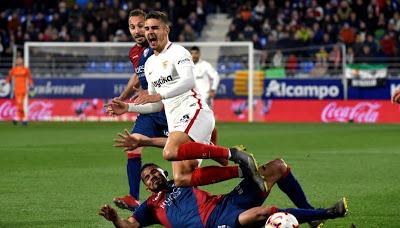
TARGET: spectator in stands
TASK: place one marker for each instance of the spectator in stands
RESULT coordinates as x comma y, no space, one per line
365,55
334,59
344,11
347,34
388,45
350,55
291,65
277,59
232,34
188,35
256,41
371,42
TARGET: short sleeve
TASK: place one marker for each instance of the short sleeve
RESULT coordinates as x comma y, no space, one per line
144,215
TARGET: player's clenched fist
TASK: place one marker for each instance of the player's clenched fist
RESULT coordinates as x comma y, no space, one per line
396,97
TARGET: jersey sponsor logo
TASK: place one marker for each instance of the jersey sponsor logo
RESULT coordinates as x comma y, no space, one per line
176,192
134,57
139,70
165,64
162,80
239,190
281,89
185,60
146,52
184,119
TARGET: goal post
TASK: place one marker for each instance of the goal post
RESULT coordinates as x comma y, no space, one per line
109,60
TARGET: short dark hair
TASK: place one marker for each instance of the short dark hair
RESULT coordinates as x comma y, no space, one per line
136,13
195,48
158,15
148,165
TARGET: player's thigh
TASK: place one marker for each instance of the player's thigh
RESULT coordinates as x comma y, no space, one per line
196,123
182,170
174,140
247,195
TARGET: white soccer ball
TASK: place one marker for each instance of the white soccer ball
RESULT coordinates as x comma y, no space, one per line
282,220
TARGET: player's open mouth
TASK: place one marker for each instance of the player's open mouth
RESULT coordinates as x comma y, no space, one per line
152,40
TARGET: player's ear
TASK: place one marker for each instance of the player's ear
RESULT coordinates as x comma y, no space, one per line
167,28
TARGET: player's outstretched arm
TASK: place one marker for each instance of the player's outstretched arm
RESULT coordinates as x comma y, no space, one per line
116,107
132,87
132,141
111,215
396,97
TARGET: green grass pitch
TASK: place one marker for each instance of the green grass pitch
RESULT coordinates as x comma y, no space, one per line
59,174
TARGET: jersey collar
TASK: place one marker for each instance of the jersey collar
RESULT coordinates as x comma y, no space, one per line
169,44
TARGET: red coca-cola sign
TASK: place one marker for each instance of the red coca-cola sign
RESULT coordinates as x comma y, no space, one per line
62,110
361,112
309,111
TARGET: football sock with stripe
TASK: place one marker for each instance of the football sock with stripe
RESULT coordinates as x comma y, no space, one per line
133,172
292,188
213,174
194,150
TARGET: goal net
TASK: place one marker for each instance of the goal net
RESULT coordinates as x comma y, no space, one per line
108,67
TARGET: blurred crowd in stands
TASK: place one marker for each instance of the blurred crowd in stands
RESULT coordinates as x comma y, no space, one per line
294,34
368,28
90,20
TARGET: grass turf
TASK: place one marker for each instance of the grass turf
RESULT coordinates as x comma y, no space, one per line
59,174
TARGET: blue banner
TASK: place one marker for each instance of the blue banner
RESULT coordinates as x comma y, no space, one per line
288,89
303,89
268,89
375,93
75,88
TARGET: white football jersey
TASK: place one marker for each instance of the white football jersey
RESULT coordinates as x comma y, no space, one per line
207,77
170,74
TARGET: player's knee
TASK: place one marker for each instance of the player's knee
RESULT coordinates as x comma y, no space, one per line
275,169
280,167
168,154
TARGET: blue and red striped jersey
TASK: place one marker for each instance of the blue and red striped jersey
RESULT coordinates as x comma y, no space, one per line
138,56
177,207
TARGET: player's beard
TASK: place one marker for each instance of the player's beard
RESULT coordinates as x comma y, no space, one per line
140,39
158,184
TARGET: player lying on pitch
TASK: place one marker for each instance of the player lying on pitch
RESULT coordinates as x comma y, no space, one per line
173,206
287,183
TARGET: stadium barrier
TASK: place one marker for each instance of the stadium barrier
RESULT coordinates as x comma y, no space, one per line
226,110
280,100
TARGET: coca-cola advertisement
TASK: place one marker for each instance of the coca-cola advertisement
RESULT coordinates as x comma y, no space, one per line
62,110
313,111
226,110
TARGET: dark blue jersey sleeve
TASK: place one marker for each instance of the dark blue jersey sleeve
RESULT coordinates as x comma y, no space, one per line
143,214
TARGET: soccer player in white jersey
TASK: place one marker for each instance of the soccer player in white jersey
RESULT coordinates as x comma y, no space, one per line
207,81
171,83
207,78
